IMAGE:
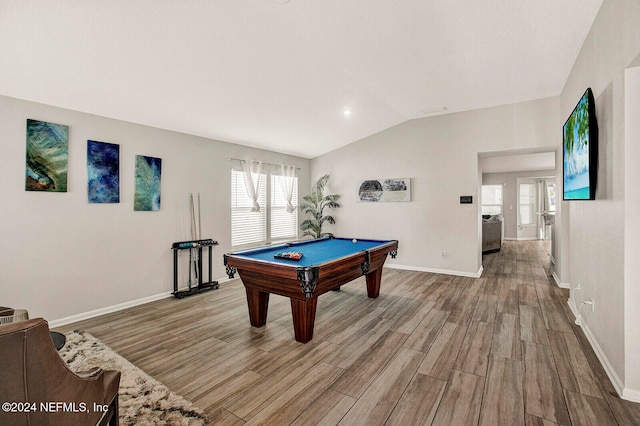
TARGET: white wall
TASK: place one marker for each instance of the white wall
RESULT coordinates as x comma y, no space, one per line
60,256
440,155
632,233
596,229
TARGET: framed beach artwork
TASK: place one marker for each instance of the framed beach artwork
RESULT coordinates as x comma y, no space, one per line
148,177
47,156
384,190
103,172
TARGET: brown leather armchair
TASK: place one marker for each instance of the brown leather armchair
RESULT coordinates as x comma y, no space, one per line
37,387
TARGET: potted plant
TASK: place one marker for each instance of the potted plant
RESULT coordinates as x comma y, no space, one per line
314,204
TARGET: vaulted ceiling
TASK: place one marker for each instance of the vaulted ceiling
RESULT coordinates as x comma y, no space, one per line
301,77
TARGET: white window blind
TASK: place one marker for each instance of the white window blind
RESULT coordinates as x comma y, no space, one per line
283,224
273,222
527,197
491,199
247,227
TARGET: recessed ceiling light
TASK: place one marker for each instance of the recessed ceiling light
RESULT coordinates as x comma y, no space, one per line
347,112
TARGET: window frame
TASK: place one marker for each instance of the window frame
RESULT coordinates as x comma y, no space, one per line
267,208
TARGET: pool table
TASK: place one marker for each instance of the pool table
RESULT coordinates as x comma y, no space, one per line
326,264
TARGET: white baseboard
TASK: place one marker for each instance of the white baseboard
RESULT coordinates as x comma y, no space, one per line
560,284
437,271
114,308
624,393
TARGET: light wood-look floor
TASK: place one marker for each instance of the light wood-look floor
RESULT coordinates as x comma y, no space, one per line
432,349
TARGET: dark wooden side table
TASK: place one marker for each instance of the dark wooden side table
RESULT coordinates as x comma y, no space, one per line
9,315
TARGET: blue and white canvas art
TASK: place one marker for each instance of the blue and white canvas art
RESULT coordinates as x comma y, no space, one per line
147,192
103,172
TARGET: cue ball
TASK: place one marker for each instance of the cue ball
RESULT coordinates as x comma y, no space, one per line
354,241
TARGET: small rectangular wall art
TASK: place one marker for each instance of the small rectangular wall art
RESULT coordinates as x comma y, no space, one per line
103,172
384,190
47,160
147,192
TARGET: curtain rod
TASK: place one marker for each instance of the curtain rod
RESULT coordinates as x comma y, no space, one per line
263,162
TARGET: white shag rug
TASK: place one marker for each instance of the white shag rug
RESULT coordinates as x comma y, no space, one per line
142,399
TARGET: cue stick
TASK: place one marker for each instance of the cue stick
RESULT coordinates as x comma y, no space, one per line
199,219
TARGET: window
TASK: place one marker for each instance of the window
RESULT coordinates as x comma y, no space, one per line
527,198
283,224
491,199
551,196
273,222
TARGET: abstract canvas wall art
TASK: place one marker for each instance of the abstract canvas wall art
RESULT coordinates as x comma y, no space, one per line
380,190
103,172
47,156
147,192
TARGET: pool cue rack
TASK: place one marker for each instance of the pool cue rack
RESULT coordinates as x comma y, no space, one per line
201,286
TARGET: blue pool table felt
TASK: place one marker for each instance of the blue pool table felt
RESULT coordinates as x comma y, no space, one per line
314,252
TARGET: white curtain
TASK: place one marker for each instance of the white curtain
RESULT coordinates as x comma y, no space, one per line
286,179
251,168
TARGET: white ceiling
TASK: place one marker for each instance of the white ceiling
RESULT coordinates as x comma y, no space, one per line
279,76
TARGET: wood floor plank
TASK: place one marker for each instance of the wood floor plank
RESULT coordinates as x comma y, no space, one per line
506,336
588,411
357,378
503,402
627,413
327,410
537,421
527,295
474,287
378,401
444,351
419,403
299,396
573,367
555,317
350,352
473,356
463,309
212,398
434,291
222,417
460,404
249,403
532,327
427,330
449,298
486,309
508,300
542,389
543,291
407,323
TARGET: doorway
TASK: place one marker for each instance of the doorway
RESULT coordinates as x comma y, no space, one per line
536,206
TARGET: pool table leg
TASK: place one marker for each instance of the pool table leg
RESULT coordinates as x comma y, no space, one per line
373,283
304,317
258,303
